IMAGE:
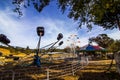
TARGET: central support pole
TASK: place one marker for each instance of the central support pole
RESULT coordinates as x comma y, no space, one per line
40,32
38,47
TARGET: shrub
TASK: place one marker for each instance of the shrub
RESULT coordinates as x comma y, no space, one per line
1,53
11,55
16,58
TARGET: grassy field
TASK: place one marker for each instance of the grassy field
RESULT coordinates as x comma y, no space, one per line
96,70
4,51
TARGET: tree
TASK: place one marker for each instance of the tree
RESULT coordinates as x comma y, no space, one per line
12,50
27,50
4,39
67,49
112,45
102,40
105,13
115,46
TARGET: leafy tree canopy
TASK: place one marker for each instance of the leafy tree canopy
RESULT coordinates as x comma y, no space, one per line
102,40
105,13
115,46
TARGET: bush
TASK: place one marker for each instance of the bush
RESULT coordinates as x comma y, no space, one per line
11,55
1,53
16,58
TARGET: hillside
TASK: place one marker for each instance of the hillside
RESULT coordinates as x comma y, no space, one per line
5,52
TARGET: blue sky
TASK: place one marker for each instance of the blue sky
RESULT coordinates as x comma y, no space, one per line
22,31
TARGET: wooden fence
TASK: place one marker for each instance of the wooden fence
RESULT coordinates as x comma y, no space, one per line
43,73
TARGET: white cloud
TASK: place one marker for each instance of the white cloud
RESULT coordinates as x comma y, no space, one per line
115,34
14,29
22,32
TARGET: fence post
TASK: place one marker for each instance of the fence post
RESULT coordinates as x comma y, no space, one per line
47,73
83,62
1,76
87,60
72,70
13,75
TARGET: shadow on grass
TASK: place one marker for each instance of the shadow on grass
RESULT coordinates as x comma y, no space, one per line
98,76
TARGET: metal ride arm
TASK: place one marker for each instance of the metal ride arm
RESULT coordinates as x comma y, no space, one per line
47,45
60,43
60,36
53,48
53,45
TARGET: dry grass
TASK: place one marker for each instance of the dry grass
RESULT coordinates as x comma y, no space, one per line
56,55
4,51
71,78
21,55
45,56
99,66
37,76
96,70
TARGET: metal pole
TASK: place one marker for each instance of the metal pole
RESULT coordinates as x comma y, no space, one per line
53,44
37,58
13,76
72,70
47,45
38,45
48,74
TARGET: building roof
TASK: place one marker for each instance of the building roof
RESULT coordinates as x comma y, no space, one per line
90,47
